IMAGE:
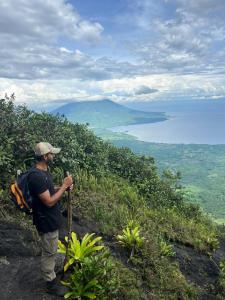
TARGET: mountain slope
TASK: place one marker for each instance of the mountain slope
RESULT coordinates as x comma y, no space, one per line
115,192
106,113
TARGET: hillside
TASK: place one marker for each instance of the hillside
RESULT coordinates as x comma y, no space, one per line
105,113
202,168
175,251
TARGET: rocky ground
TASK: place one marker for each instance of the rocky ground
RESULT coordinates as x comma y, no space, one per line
20,277
200,269
20,259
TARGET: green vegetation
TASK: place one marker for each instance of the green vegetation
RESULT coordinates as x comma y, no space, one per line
131,238
202,168
221,281
94,278
112,187
166,249
92,275
77,251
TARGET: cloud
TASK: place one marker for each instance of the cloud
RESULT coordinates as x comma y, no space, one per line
50,52
45,21
168,86
33,40
201,6
144,90
184,43
29,35
143,11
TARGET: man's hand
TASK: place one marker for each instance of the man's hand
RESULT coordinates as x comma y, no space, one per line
67,182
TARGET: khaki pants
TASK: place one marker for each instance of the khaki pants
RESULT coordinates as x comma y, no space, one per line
49,244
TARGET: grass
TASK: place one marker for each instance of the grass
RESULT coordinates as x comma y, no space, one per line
112,203
152,272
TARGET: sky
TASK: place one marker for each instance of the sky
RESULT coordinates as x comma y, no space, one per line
58,51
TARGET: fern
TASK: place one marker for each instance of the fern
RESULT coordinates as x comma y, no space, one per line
78,251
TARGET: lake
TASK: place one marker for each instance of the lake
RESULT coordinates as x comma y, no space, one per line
190,122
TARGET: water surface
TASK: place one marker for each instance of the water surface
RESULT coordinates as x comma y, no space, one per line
190,122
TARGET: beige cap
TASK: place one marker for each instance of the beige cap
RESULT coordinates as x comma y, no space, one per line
44,148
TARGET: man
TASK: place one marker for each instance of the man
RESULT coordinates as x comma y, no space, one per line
46,212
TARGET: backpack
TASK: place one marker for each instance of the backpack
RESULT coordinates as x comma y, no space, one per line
20,193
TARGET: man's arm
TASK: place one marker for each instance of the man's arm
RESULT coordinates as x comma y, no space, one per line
56,188
49,200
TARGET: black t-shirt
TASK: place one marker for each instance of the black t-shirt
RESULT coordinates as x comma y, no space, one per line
45,218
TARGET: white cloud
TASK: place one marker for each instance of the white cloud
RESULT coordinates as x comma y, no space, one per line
201,6
46,51
29,35
125,89
45,20
184,43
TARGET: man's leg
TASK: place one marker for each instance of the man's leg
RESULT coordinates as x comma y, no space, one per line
49,244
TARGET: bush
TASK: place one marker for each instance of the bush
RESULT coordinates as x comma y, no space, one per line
131,238
79,251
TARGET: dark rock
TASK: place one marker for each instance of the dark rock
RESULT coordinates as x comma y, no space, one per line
200,268
17,241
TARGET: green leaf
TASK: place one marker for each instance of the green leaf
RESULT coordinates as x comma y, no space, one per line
66,267
86,239
61,247
91,283
65,283
68,295
97,239
90,295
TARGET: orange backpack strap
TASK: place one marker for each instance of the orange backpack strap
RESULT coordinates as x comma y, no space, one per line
17,197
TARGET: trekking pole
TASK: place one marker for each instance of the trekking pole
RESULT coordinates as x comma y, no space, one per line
69,224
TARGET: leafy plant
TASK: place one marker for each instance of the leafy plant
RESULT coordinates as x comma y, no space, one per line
92,279
220,287
165,249
131,238
222,267
79,289
77,250
213,243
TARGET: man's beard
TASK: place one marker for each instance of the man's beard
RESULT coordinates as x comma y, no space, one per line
49,162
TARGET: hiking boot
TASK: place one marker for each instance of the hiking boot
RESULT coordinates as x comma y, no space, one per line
54,288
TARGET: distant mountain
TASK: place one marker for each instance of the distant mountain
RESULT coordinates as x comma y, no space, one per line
106,113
